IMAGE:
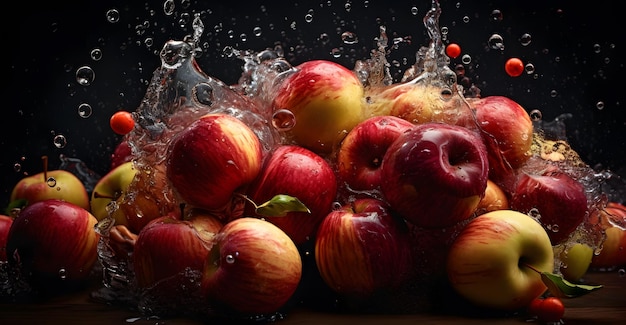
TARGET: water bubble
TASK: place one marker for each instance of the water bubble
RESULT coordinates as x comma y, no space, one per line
525,39
536,115
496,15
597,48
414,11
113,16
621,273
349,38
534,213
62,274
84,110
600,105
17,167
96,54
168,7
59,141
348,6
530,68
51,181
554,228
466,19
230,258
203,94
336,52
308,17
336,205
257,31
466,59
283,120
149,41
553,93
496,42
85,75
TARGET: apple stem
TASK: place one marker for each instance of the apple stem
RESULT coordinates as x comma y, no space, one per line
532,268
44,159
245,197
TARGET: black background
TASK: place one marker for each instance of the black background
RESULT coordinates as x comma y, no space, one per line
50,41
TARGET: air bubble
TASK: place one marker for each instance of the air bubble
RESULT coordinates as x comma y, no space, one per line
530,68
96,54
553,93
84,110
336,52
308,18
536,115
554,228
62,274
496,42
113,16
466,59
534,213
85,75
600,105
257,31
51,181
466,19
414,11
525,39
349,38
230,258
621,273
283,120
597,48
496,15
17,167
59,141
168,7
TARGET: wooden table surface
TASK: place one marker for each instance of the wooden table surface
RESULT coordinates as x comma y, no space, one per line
604,306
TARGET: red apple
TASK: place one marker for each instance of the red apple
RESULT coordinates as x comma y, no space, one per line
363,249
254,268
361,152
54,184
166,248
326,101
53,243
495,199
493,261
121,154
211,159
435,174
301,173
5,226
613,252
507,132
556,198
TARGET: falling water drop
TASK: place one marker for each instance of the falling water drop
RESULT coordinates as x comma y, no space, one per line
283,120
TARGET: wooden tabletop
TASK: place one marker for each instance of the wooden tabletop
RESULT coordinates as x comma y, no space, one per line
604,306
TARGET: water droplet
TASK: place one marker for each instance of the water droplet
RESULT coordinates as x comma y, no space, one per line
336,205
597,48
466,19
59,141
530,68
283,120
553,93
496,15
525,39
496,42
168,7
203,94
308,17
243,37
230,258
336,52
257,31
349,38
84,110
51,181
96,54
113,16
85,75
414,11
62,274
17,167
534,213
621,273
536,115
466,59
554,228
600,105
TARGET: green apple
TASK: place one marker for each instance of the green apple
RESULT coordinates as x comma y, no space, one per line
55,184
575,260
490,261
112,186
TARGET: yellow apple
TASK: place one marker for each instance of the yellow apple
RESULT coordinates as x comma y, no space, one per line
112,187
575,261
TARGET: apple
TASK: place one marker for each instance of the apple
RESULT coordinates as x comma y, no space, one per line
434,175
53,244
121,154
326,101
254,268
363,249
495,199
361,152
559,201
167,247
301,173
54,184
112,187
507,130
5,226
575,261
214,157
489,263
613,248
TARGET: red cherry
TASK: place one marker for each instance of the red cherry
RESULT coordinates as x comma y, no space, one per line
548,310
453,50
122,122
514,67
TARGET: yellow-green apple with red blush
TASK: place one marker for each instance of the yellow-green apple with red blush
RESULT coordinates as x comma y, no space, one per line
326,101
363,249
166,249
495,199
301,173
493,261
253,268
5,225
53,244
507,131
556,198
51,184
361,152
613,248
575,261
213,158
113,186
435,174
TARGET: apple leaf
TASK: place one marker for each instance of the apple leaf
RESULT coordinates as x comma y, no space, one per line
562,288
280,204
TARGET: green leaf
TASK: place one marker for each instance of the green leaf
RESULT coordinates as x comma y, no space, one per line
15,204
279,205
562,288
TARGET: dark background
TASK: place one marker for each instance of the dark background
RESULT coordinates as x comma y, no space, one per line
576,49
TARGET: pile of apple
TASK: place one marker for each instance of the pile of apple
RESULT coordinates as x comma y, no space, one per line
227,195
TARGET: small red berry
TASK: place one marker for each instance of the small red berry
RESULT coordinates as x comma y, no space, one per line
122,122
453,50
548,310
514,67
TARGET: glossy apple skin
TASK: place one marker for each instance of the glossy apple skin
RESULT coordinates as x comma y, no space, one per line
495,199
507,131
254,268
435,174
361,152
166,247
363,249
121,154
112,186
326,100
558,198
5,226
53,243
66,186
575,261
211,159
613,253
301,173
484,262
